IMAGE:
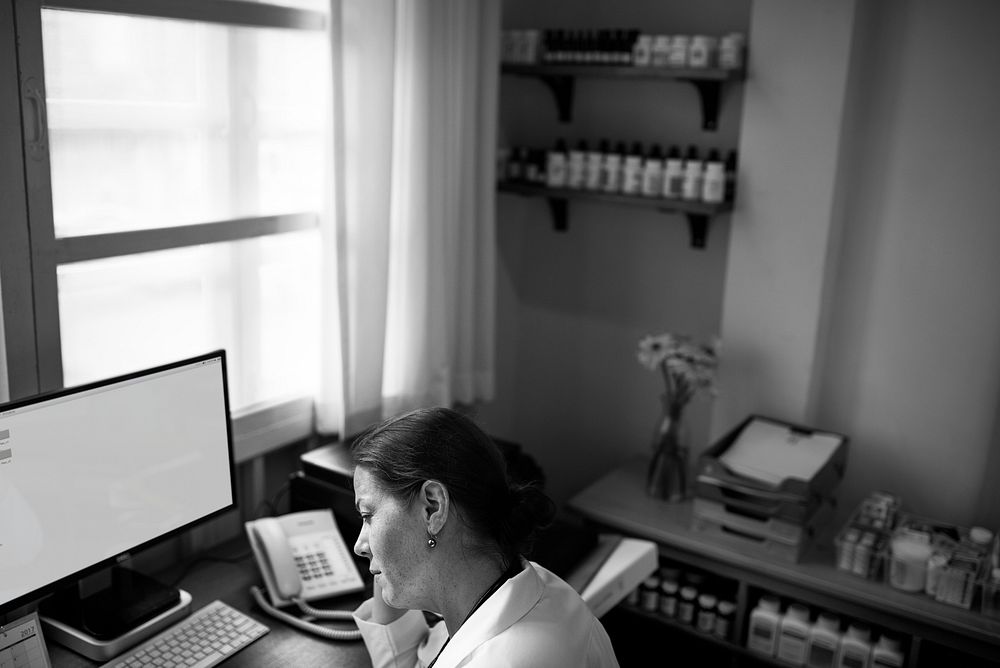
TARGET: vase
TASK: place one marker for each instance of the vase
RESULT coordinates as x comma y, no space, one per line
667,475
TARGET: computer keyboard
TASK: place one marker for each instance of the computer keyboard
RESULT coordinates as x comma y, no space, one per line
204,638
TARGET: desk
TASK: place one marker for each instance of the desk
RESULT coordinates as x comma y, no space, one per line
231,582
618,501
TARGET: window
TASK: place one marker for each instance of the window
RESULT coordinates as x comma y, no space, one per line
175,161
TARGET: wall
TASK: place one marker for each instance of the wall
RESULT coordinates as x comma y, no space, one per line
573,305
869,201
913,371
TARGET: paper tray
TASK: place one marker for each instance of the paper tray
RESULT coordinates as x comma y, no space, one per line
791,491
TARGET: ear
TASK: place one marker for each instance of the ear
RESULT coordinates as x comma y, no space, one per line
435,504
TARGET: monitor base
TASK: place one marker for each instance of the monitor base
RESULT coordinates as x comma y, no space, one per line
64,628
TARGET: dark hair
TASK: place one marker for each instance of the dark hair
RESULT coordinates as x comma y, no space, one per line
442,444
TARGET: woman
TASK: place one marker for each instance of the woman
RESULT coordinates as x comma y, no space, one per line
444,530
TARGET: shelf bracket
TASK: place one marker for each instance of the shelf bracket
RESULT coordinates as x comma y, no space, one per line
710,95
560,213
561,86
698,225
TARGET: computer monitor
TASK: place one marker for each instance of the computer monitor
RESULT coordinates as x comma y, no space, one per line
94,474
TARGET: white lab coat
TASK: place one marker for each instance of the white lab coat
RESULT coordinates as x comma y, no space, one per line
534,619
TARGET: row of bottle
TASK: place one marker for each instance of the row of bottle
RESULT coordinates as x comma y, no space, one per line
623,47
688,598
797,640
627,171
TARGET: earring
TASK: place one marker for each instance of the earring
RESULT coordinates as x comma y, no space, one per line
431,543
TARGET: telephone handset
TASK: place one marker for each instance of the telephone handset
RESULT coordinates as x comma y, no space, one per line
303,557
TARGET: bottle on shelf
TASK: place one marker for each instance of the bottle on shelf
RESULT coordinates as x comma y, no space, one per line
612,179
693,174
725,610
793,635
649,594
713,186
632,170
705,617
673,173
762,632
730,171
668,596
652,173
686,604
556,165
824,641
577,164
855,647
887,653
592,168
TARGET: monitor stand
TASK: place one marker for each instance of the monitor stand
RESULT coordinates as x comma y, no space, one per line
104,624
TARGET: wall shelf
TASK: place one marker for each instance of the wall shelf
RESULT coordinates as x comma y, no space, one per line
561,81
697,213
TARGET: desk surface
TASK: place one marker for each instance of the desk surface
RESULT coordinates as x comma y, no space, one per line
230,582
618,500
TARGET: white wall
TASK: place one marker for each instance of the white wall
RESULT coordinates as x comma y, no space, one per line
913,370
855,286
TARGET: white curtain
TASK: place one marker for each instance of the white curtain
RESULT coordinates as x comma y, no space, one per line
409,303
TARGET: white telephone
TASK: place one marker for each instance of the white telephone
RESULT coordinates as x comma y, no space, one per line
303,557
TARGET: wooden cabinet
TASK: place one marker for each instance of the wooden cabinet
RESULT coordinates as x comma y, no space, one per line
933,633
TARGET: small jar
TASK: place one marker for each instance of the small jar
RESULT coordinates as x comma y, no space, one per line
649,596
724,612
706,613
668,598
686,605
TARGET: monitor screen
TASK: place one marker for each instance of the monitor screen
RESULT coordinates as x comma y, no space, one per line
90,474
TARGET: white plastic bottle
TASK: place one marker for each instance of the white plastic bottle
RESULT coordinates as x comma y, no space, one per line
824,641
762,633
612,171
887,653
793,635
632,170
693,174
555,166
652,173
713,187
673,174
576,166
855,647
592,167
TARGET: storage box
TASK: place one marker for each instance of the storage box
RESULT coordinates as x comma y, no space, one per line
792,498
773,526
862,544
961,573
767,539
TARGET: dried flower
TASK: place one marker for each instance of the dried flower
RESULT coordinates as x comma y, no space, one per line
687,367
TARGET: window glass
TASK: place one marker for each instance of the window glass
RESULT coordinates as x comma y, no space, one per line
258,299
159,122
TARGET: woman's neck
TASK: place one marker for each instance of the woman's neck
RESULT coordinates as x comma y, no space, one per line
484,578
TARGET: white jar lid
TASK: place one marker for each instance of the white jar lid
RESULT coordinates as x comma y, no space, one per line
981,535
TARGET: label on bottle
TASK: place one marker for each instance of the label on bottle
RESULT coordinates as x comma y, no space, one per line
592,171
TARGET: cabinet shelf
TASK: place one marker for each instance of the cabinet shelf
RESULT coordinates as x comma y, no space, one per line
698,213
618,501
561,81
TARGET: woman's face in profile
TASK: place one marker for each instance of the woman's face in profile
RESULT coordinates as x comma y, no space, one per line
393,538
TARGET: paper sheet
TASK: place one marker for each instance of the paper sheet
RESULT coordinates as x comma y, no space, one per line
771,452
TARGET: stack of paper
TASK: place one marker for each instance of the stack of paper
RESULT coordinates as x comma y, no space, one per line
771,452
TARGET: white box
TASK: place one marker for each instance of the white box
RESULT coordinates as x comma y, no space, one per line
630,562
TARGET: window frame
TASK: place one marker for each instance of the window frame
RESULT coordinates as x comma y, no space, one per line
31,357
